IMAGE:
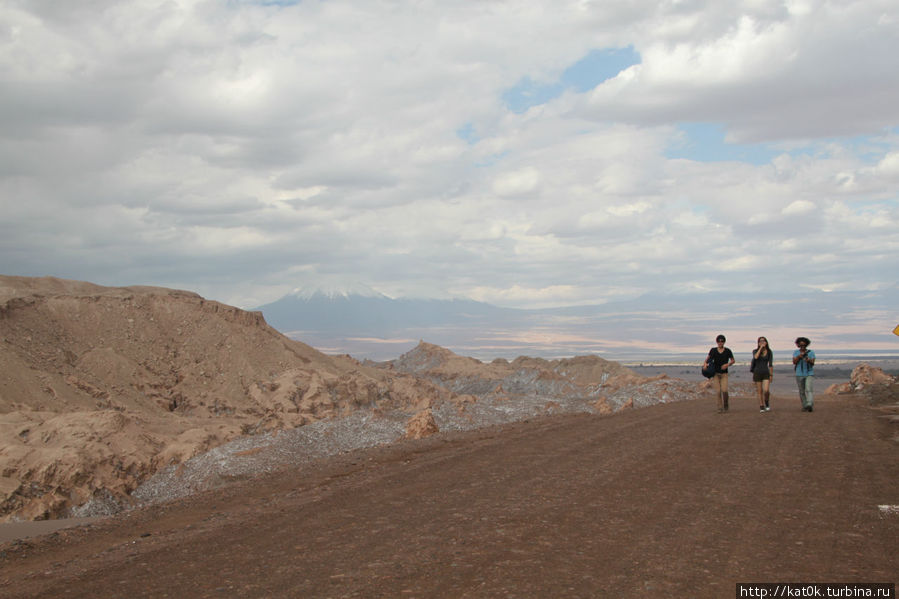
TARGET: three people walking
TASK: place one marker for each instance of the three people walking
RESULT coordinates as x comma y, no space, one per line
721,358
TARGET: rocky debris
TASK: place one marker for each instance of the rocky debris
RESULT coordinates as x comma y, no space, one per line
272,451
864,376
582,383
880,388
581,376
602,406
249,456
421,425
839,389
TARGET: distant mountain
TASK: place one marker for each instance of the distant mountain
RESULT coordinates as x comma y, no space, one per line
366,324
354,312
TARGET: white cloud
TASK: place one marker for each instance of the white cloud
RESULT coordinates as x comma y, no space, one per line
769,74
517,183
637,207
243,150
554,295
888,167
798,207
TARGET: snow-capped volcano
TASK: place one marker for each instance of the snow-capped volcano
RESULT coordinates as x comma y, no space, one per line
337,291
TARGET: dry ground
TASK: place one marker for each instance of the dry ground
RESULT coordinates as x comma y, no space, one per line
673,500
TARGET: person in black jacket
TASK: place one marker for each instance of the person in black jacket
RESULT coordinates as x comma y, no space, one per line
723,359
762,369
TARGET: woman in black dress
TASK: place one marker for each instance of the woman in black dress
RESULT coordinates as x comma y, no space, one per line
762,369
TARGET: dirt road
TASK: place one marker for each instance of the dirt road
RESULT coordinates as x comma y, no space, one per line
669,501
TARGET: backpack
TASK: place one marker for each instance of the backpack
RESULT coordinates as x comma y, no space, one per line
709,371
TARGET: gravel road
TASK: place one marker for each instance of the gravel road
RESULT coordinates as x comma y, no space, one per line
672,500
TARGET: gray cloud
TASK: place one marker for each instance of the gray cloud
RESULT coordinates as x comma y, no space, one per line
243,150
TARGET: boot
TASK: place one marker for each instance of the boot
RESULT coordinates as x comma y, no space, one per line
767,400
726,407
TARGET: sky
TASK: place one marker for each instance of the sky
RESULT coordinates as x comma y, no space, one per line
527,154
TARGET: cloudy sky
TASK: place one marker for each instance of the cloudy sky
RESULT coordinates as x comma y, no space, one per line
529,154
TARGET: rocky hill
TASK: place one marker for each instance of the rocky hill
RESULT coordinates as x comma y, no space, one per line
100,387
106,390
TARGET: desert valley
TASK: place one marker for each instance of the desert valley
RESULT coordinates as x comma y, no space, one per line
116,402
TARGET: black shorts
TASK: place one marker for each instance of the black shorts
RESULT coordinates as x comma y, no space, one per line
760,376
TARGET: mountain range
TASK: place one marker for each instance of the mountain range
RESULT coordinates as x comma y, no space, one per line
370,325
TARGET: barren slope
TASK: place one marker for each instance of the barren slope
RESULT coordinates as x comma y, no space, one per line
100,387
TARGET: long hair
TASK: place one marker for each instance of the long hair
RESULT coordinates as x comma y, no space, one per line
759,352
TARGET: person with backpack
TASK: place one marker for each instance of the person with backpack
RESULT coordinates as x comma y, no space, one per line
762,369
804,365
721,358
